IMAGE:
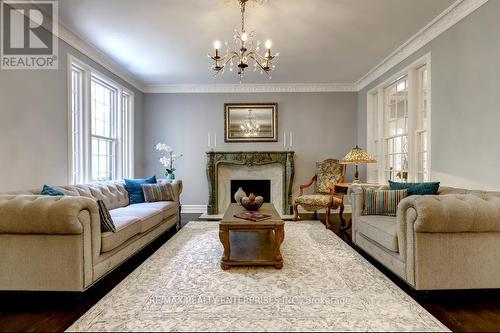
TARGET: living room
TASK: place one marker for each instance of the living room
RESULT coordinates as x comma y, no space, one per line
249,165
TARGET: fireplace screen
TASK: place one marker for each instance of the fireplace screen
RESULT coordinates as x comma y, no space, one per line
257,187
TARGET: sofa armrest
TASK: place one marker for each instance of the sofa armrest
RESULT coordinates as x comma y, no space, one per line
34,214
453,213
355,194
177,188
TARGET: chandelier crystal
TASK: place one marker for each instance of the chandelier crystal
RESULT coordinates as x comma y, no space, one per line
246,52
249,127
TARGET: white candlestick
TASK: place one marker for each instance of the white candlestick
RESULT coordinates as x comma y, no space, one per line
291,139
284,140
208,139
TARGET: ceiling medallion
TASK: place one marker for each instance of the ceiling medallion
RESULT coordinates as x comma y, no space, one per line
245,55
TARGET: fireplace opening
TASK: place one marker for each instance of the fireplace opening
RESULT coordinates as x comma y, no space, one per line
260,187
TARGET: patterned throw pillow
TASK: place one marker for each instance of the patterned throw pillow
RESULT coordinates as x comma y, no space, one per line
107,223
158,192
382,202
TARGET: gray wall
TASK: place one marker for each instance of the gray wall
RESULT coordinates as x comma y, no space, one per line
323,126
34,122
465,100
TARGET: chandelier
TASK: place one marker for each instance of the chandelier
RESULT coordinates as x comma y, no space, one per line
250,128
244,53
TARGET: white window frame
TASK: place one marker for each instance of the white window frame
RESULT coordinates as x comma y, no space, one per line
124,148
376,122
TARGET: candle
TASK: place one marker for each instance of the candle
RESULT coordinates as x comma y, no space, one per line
291,139
215,139
284,139
208,139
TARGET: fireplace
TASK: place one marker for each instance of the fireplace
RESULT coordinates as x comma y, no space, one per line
260,187
225,169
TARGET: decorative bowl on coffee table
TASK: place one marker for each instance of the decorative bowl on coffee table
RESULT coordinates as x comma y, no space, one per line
252,203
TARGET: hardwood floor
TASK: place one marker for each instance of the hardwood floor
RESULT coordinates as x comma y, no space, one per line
43,311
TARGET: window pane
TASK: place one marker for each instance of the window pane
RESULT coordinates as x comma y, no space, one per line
103,110
102,159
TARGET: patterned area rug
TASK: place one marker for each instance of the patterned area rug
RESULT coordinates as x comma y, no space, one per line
324,286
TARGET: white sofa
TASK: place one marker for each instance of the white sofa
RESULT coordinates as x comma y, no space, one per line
56,244
445,241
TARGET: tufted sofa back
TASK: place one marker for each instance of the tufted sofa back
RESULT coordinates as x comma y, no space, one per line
113,193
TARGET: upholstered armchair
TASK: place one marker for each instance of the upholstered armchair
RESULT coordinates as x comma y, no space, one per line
328,173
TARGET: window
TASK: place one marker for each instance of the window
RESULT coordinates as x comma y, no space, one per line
398,128
101,133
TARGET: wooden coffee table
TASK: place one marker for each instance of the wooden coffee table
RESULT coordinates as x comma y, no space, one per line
248,243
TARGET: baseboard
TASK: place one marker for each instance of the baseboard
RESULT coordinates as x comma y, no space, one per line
194,209
202,209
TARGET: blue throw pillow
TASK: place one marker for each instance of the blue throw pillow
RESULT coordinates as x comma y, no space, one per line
416,188
47,190
134,188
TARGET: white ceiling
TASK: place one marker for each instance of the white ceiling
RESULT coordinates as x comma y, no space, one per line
320,41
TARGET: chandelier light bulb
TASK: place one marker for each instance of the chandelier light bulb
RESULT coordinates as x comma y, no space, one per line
268,44
244,37
217,45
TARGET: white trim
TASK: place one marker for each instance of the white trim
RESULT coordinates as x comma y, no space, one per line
408,71
250,88
194,209
448,18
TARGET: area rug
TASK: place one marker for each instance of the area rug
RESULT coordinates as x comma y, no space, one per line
324,286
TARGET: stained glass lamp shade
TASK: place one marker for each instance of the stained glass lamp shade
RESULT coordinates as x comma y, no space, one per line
358,156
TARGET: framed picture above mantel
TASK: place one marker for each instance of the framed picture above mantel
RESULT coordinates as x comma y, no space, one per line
255,122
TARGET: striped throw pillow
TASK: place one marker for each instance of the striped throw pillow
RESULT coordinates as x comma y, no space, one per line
107,223
158,192
383,202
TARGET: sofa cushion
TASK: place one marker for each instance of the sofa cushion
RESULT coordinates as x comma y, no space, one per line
134,188
126,228
149,217
158,192
168,208
381,229
382,202
48,190
416,188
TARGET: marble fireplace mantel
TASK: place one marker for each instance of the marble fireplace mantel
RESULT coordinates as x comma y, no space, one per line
250,158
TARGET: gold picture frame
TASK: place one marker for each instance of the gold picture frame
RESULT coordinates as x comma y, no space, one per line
251,122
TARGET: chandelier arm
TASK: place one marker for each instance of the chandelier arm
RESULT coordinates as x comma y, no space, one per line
255,54
261,67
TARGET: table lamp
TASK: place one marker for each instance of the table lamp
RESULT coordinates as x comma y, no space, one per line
357,156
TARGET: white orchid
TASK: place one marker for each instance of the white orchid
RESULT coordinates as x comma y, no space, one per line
167,160
163,147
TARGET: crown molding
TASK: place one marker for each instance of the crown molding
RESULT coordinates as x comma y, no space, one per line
251,88
448,18
91,51
96,55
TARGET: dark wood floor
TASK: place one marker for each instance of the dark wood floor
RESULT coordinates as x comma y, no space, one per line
30,311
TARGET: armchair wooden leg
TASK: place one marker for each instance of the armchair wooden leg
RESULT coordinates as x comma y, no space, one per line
327,219
295,212
315,215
